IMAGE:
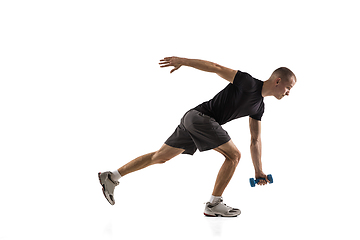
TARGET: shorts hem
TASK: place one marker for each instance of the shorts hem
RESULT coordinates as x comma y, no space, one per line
185,150
211,148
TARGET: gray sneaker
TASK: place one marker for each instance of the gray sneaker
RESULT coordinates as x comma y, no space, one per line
220,209
108,186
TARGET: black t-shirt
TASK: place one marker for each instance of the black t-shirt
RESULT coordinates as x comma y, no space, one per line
239,99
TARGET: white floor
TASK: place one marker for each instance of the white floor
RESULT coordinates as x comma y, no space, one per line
169,204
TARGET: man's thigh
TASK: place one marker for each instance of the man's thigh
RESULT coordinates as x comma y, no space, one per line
204,130
229,150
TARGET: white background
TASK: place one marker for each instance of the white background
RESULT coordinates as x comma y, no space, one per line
81,92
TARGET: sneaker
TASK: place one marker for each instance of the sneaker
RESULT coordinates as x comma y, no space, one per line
220,209
108,186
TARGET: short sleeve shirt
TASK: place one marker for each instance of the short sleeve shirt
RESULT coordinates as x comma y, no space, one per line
238,99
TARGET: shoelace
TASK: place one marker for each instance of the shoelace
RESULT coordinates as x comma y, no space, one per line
115,182
211,205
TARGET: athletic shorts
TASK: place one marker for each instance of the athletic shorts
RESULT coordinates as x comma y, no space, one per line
197,131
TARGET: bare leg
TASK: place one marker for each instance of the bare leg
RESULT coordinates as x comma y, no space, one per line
232,158
165,153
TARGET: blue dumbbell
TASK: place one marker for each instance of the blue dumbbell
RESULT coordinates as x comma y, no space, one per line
253,182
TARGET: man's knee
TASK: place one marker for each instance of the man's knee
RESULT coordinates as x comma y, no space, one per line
230,151
235,157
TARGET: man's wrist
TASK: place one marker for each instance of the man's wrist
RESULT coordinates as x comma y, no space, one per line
184,61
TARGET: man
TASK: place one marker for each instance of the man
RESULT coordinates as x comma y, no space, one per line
200,128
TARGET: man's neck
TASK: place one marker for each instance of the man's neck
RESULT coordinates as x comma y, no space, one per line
266,91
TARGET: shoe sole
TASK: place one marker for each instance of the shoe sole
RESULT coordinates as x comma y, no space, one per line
218,215
103,189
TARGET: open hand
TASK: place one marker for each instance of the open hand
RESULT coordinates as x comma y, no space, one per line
171,62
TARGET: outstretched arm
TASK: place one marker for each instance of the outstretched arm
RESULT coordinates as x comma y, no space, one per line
176,62
255,149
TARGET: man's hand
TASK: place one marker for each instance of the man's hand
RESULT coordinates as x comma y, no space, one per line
175,62
262,175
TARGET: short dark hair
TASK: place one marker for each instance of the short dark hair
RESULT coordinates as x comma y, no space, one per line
283,73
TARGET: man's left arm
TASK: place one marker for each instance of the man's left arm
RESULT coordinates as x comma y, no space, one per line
203,65
255,149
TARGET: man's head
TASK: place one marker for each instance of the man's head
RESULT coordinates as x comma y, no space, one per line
282,80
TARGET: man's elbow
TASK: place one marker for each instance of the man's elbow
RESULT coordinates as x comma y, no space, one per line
255,141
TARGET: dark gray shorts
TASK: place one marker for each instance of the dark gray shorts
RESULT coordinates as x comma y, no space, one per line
197,131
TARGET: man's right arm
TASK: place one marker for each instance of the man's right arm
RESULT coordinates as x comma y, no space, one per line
176,62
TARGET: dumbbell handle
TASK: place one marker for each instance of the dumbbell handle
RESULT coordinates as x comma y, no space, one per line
253,182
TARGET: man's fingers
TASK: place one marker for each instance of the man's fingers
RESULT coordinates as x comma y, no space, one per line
163,61
262,182
174,69
167,62
165,65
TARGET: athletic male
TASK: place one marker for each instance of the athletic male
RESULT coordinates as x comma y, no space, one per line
200,128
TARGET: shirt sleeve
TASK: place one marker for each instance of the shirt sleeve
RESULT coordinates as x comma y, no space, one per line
258,115
243,81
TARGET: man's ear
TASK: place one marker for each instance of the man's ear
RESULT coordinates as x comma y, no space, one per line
277,81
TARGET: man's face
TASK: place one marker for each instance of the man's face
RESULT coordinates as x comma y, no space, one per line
284,87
